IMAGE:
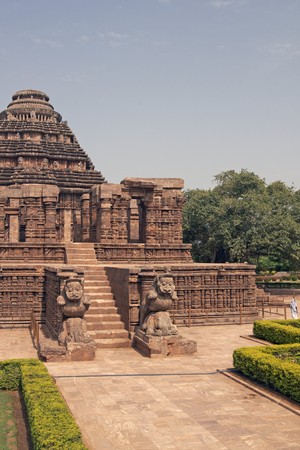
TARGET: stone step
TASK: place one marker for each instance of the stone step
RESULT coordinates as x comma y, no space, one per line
80,244
110,309
97,318
96,285
82,256
90,276
114,325
95,276
94,306
113,343
78,261
102,290
92,282
100,295
109,334
74,251
101,303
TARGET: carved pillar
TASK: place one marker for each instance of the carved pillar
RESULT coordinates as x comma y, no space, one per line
103,232
134,299
68,232
13,219
50,220
9,213
120,218
152,226
85,218
134,221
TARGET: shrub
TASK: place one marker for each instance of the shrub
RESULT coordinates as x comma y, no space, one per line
10,374
261,364
278,331
51,424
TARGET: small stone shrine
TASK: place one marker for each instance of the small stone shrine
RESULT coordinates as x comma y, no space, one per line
63,228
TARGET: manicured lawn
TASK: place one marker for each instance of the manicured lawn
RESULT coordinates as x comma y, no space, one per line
8,426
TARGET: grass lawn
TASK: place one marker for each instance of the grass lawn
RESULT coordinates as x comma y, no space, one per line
8,425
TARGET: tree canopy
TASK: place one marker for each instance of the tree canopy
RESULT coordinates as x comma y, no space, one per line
244,219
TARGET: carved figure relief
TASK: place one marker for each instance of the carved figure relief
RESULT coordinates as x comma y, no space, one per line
20,162
73,305
45,163
155,319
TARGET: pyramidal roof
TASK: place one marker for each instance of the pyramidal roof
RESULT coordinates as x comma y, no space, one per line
36,146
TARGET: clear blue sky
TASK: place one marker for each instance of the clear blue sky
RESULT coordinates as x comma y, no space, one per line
164,88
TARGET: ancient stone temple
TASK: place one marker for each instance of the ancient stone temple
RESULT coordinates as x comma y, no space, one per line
60,220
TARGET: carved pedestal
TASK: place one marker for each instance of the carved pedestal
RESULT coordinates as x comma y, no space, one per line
74,336
163,346
78,351
51,350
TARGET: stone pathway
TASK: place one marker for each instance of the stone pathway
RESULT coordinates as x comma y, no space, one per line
124,401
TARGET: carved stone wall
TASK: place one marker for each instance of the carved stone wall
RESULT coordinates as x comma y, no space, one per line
32,252
211,293
119,279
207,293
21,292
142,253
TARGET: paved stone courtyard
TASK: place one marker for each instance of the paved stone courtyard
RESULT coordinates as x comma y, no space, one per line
125,401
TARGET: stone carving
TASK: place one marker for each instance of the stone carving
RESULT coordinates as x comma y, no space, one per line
73,305
155,318
157,336
20,162
45,163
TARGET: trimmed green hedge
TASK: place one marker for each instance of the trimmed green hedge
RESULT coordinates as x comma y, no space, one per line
261,364
51,424
278,331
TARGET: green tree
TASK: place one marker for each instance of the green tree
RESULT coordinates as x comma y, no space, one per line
243,219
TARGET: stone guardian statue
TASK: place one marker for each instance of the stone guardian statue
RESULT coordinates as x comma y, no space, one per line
155,319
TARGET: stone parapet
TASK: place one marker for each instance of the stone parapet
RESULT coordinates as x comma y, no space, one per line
207,293
143,253
30,252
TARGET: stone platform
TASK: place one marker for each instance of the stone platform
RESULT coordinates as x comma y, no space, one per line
163,346
123,401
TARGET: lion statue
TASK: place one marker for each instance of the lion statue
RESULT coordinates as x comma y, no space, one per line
73,305
155,319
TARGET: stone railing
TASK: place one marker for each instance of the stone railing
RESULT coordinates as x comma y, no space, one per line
143,253
207,293
23,252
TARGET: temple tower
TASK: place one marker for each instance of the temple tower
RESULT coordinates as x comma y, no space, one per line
43,173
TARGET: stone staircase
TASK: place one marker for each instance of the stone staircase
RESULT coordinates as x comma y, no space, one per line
103,321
